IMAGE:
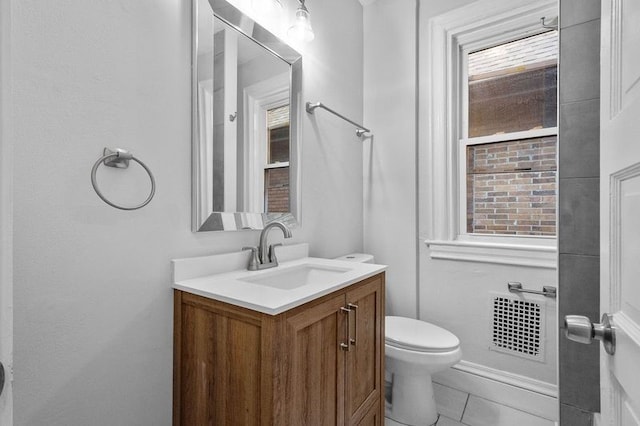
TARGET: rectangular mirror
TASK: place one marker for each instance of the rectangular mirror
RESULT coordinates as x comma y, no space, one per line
245,118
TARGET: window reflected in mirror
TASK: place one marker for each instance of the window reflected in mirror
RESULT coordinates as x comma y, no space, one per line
276,170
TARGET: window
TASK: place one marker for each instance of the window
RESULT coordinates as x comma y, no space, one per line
488,138
511,137
276,169
266,179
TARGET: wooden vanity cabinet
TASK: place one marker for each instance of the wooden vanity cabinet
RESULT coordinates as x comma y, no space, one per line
321,363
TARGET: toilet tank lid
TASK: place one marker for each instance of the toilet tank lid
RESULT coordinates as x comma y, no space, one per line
410,333
357,257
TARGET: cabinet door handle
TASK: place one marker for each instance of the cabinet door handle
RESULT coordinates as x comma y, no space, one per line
346,346
354,308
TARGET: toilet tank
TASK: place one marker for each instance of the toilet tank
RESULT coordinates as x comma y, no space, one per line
357,257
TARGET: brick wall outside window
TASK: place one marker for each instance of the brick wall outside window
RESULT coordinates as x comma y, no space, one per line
276,182
519,100
511,187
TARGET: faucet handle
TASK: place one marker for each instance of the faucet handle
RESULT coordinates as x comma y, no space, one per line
253,260
272,253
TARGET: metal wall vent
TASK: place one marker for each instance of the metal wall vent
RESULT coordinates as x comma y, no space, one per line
517,326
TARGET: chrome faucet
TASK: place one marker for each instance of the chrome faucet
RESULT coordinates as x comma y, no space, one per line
263,257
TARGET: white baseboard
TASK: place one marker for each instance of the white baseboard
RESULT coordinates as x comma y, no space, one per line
513,390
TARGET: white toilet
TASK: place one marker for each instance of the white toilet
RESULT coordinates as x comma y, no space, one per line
414,350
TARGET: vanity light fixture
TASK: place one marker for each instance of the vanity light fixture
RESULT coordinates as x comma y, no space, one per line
301,28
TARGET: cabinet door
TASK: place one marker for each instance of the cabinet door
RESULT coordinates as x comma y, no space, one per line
219,368
316,365
373,417
365,360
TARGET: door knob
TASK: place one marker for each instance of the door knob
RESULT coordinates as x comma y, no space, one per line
579,329
1,377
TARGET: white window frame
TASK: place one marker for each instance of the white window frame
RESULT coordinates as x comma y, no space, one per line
264,136
258,99
450,36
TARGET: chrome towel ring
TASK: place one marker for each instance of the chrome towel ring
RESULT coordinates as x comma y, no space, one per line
120,158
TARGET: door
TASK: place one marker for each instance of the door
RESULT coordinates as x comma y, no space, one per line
620,209
364,375
316,367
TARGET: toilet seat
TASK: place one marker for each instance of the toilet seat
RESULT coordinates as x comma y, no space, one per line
418,336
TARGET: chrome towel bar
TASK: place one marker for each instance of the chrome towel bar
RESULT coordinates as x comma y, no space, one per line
547,290
360,129
120,158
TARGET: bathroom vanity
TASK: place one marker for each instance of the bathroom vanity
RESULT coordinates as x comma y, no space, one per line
255,348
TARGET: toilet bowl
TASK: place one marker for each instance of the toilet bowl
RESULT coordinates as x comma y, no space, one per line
414,350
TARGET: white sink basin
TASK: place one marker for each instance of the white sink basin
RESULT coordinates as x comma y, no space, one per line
297,276
297,280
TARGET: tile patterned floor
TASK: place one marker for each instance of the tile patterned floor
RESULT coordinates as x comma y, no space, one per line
525,420
458,408
445,421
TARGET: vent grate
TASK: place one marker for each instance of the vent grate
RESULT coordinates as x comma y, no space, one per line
517,327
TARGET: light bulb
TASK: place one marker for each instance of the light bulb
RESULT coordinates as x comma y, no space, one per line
301,28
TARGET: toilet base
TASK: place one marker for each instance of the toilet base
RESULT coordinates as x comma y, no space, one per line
391,422
412,401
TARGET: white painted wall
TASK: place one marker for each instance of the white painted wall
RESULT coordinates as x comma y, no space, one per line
452,294
6,217
93,304
390,226
390,159
455,295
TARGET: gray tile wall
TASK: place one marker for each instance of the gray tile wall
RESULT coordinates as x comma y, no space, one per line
571,416
578,205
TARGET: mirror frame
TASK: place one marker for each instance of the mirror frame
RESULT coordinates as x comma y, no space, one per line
235,221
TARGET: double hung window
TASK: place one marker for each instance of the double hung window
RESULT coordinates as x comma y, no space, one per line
490,169
509,138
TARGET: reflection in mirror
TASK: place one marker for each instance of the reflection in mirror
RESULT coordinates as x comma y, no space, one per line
246,86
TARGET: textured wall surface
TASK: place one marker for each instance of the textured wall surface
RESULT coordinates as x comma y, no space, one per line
390,156
6,214
93,303
579,243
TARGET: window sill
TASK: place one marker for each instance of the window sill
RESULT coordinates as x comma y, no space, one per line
534,256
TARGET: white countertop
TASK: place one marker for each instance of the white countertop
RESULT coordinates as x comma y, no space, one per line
210,277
